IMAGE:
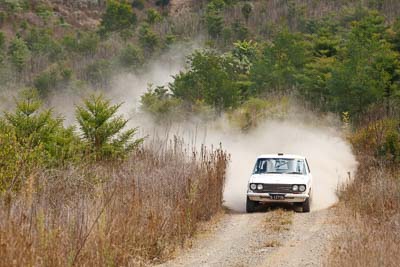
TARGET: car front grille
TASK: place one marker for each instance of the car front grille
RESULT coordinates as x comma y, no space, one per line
276,188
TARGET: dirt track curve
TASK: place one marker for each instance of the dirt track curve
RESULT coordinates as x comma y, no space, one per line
268,238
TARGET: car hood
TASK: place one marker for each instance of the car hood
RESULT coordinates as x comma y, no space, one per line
279,178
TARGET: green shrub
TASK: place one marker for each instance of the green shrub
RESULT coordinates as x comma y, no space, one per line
45,81
247,8
38,129
139,4
240,31
17,161
162,3
161,105
41,42
102,129
118,16
255,110
214,19
83,43
131,57
99,73
148,38
152,16
19,54
211,79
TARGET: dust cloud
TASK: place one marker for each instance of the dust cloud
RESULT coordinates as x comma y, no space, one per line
329,155
127,87
318,139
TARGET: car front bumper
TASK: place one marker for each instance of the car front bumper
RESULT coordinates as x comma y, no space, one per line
266,197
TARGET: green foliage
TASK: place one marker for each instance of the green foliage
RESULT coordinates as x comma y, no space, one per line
118,17
209,79
17,161
148,38
379,138
139,4
2,46
214,19
244,53
37,129
162,3
240,31
131,57
54,78
281,61
41,42
152,16
83,43
102,129
161,105
99,73
369,71
45,81
19,54
247,8
255,110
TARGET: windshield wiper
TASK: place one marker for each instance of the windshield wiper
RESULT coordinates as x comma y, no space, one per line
294,173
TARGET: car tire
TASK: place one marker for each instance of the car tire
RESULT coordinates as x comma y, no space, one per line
306,205
251,206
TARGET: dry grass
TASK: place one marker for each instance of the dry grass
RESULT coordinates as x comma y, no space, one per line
371,218
117,214
279,220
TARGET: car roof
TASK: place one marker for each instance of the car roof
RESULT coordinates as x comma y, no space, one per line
281,155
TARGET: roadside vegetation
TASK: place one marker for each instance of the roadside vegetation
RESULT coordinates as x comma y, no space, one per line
99,194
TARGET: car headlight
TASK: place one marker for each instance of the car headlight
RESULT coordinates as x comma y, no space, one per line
253,186
302,188
260,187
295,187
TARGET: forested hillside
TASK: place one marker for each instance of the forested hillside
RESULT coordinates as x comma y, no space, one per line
329,57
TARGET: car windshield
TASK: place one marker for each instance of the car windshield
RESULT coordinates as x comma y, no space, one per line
280,165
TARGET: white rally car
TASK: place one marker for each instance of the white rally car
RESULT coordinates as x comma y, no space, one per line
280,178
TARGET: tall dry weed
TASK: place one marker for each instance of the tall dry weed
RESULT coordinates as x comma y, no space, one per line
121,214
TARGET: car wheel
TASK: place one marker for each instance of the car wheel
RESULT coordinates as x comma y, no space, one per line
306,205
251,205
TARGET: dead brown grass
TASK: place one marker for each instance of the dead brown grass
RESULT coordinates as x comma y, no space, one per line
279,220
116,214
371,219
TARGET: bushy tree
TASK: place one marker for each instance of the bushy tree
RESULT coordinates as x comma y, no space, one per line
161,105
17,161
209,79
118,17
19,53
152,16
103,130
131,57
99,73
139,4
247,8
369,71
214,19
281,61
162,3
82,43
41,42
148,38
38,129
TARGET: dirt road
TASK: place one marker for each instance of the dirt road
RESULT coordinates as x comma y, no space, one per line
272,238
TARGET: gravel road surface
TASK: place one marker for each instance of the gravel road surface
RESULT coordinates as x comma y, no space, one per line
268,238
